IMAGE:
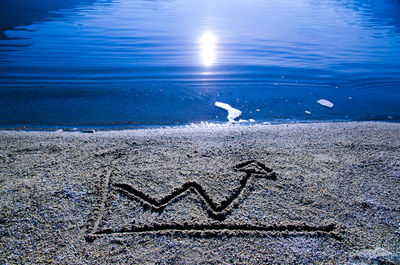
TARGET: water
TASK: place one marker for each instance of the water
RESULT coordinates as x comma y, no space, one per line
123,63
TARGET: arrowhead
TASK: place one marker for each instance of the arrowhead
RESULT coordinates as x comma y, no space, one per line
257,169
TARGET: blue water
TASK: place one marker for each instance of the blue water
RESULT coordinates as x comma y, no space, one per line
124,63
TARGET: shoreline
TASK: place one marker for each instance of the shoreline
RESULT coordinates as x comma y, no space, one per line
306,193
202,124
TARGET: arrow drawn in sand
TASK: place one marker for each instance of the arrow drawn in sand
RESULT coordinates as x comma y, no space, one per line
252,170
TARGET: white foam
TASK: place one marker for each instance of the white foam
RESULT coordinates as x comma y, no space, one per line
307,112
252,120
325,103
232,112
206,125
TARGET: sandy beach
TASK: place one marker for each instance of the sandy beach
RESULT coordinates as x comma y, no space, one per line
323,193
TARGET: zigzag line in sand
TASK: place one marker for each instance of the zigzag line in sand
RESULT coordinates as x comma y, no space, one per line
216,211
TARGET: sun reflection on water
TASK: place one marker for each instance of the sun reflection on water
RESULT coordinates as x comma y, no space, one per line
208,47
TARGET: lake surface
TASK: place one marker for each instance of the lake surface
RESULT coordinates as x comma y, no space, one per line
123,63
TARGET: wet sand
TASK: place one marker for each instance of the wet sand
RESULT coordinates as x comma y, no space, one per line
300,193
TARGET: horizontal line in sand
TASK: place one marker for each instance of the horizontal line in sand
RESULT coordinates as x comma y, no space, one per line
291,229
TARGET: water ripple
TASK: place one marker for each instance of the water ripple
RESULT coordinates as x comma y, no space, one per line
128,62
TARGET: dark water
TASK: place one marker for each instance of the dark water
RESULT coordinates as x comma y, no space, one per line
126,62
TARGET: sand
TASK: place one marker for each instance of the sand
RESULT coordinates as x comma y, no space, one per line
277,194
